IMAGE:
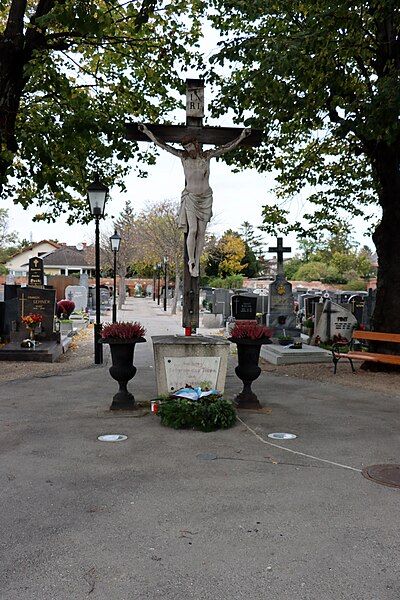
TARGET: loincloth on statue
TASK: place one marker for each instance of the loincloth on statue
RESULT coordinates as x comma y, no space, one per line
200,205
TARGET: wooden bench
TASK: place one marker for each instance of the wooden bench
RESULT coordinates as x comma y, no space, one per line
392,359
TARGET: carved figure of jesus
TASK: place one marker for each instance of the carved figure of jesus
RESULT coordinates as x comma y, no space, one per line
196,200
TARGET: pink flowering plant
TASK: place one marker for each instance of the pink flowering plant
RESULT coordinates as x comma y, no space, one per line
250,331
123,330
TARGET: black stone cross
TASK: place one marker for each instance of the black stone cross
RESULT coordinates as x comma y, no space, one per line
204,135
280,250
328,310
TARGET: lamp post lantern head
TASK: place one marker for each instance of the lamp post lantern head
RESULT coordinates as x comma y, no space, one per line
97,194
115,241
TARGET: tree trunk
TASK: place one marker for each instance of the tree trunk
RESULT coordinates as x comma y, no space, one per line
176,293
386,317
121,286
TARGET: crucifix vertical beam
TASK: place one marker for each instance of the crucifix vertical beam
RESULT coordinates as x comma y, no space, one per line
191,292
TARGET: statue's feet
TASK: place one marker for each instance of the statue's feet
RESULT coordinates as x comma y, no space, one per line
193,269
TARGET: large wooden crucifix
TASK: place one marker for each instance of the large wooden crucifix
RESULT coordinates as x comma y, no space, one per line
196,203
280,251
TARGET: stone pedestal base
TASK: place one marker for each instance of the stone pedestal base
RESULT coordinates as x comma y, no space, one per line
283,355
192,360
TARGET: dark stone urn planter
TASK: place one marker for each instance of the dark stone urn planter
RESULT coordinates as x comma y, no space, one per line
248,369
122,370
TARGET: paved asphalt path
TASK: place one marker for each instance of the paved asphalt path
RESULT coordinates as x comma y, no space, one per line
149,518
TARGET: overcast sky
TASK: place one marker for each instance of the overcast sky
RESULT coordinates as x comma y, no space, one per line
238,197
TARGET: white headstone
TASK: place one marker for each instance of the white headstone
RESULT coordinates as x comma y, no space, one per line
334,321
78,294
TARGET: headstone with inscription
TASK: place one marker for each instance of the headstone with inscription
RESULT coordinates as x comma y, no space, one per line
244,307
281,315
357,306
35,273
335,320
195,361
37,300
78,294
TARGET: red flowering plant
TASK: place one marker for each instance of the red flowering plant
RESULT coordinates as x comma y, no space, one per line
123,331
65,308
250,331
32,320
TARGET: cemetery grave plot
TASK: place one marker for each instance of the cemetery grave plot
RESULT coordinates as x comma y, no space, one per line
23,301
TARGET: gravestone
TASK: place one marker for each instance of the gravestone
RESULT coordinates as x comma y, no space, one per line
10,308
84,280
244,308
357,306
309,305
281,316
35,273
78,294
105,296
37,300
335,320
48,347
369,307
221,302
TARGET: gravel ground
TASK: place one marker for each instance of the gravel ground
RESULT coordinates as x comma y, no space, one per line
80,356
386,383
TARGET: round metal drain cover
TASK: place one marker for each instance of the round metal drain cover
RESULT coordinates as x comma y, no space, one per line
383,474
207,456
112,437
282,436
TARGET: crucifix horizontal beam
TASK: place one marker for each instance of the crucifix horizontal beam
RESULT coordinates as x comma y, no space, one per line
204,134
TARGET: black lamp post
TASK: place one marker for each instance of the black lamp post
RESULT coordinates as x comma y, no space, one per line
115,241
158,284
97,195
154,282
165,281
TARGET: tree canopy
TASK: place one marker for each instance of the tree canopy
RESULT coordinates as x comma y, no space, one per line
322,80
71,74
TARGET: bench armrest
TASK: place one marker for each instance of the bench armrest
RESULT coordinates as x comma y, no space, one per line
336,348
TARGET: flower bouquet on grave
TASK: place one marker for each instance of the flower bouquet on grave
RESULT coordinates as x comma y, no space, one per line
32,322
196,408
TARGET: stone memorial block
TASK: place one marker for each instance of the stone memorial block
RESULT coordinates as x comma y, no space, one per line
10,308
78,294
221,301
2,314
369,307
104,296
309,302
35,273
281,313
84,280
356,303
244,307
37,300
335,320
190,360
